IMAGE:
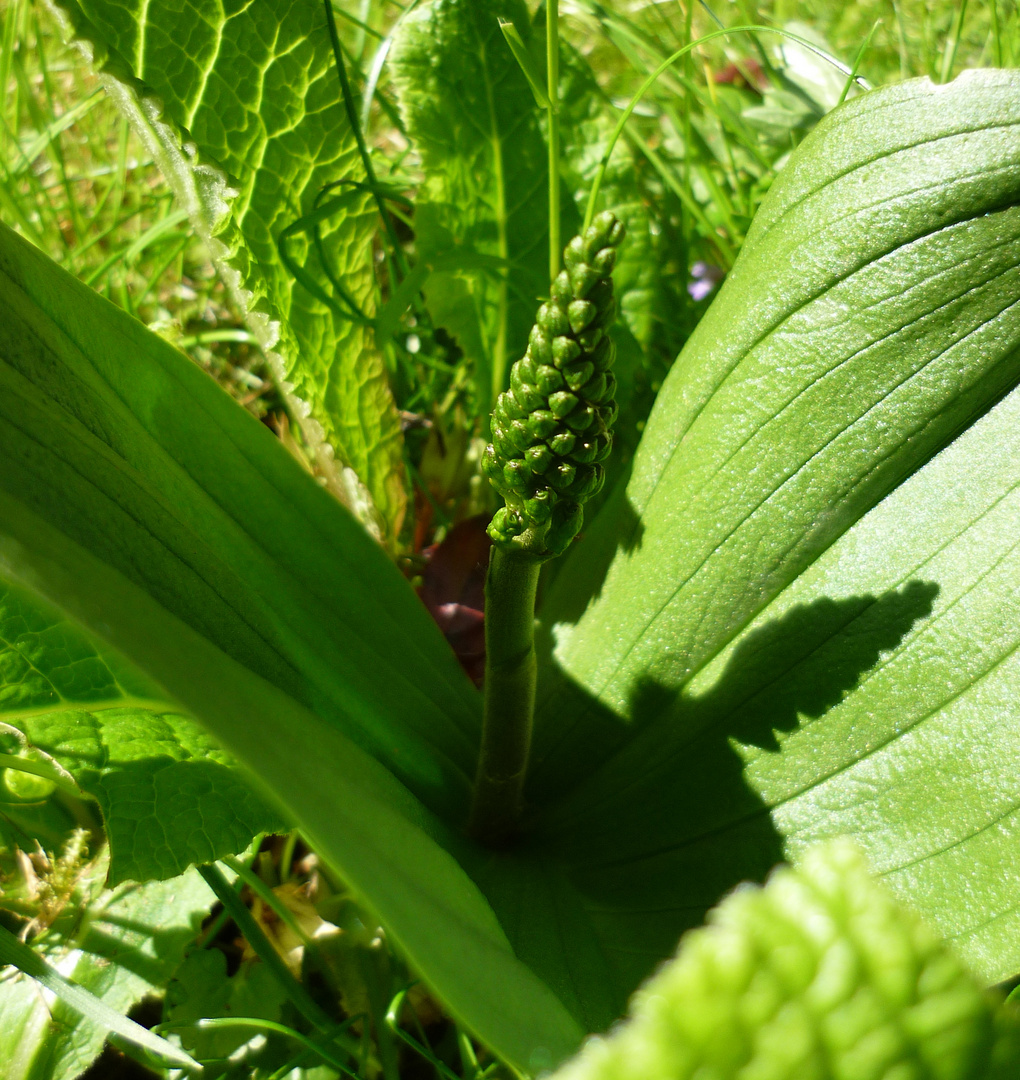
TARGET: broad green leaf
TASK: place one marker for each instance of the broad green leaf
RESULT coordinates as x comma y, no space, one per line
134,938
468,107
918,760
136,495
169,795
395,855
249,129
818,976
645,812
872,313
875,696
200,505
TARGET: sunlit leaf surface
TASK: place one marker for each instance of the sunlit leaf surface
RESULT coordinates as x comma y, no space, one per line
254,89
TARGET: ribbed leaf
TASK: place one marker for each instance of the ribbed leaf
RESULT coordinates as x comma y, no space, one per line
875,697
136,494
872,313
818,976
253,89
199,504
876,694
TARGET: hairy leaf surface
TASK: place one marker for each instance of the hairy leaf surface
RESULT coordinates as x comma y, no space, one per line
252,91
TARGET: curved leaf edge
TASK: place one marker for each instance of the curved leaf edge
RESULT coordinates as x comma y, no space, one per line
204,189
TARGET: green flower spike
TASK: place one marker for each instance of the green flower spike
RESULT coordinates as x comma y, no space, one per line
552,429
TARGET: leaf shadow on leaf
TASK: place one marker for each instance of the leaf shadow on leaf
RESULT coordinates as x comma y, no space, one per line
648,822
578,581
166,945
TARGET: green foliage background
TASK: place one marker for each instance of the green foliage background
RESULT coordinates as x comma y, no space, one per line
793,618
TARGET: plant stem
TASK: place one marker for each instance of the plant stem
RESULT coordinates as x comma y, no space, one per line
552,60
497,370
366,158
509,695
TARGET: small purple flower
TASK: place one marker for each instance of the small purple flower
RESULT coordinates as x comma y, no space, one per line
704,280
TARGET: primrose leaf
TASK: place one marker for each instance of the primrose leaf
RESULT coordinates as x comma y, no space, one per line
135,940
170,797
249,129
201,988
468,107
820,976
153,509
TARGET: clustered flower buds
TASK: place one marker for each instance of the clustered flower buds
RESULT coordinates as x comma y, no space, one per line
552,429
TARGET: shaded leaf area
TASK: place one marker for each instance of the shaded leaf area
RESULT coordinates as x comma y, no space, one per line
637,854
875,698
169,795
872,313
484,201
201,988
254,89
136,494
134,941
148,463
819,975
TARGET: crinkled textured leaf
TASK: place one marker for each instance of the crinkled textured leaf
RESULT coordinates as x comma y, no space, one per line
135,939
818,976
136,494
468,107
872,313
169,795
253,89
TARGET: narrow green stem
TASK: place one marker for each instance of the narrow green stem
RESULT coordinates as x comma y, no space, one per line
366,158
509,695
552,58
499,344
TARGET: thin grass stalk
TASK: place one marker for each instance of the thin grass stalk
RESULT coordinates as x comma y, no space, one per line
552,52
668,63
